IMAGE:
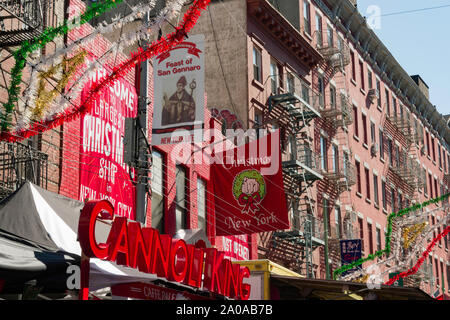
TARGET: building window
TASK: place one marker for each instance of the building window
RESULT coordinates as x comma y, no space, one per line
326,213
383,194
394,107
352,59
257,64
379,92
361,230
307,17
372,132
332,96
388,108
436,189
424,175
378,235
305,93
369,79
337,221
381,140
323,153
361,72
430,179
364,124
273,77
330,36
319,30
439,156
400,201
366,173
370,235
335,158
438,280
432,148
181,198
321,90
375,189
201,204
389,150
428,143
358,176
157,184
355,119
290,83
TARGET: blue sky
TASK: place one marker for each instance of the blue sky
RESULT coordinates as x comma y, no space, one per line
419,41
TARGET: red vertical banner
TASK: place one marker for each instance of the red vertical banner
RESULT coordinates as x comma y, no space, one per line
103,173
249,190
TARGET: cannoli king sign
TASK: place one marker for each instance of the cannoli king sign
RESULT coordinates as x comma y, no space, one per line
148,251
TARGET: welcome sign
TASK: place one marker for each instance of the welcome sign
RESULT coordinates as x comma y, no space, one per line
103,173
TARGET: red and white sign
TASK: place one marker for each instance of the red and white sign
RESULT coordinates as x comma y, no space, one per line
148,251
249,189
103,174
147,291
236,247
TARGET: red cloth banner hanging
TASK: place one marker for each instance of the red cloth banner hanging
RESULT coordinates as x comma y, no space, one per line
103,173
248,188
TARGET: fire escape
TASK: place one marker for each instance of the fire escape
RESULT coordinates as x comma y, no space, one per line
294,248
21,20
336,111
404,166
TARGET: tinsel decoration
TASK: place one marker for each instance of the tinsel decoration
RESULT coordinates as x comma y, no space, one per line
387,249
409,234
44,97
419,262
164,44
27,47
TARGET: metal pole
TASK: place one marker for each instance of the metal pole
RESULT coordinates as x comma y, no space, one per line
141,121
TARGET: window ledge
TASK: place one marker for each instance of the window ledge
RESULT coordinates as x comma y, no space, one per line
358,194
366,146
363,91
385,211
258,84
356,138
368,201
379,109
376,206
353,81
382,160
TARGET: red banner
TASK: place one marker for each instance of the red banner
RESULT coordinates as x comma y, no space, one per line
103,174
249,190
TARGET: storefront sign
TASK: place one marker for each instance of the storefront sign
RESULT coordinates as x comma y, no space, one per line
148,251
103,173
236,247
147,291
350,252
179,93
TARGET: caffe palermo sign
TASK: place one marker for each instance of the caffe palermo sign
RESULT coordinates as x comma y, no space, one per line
148,251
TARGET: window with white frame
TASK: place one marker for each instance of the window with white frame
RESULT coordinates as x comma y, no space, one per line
257,64
157,185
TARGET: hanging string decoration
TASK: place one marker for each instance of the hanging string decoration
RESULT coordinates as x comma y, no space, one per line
28,128
419,262
172,10
27,47
387,250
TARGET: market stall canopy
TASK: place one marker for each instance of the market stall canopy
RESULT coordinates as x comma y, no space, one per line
38,241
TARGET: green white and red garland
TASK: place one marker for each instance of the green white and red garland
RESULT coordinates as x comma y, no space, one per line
166,43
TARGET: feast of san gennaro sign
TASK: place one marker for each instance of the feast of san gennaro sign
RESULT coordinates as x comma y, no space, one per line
103,173
179,93
249,192
147,250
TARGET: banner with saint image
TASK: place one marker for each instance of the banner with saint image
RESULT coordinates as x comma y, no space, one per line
179,93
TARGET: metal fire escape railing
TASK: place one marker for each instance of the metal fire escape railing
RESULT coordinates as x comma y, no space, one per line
337,110
20,163
22,20
342,174
335,52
